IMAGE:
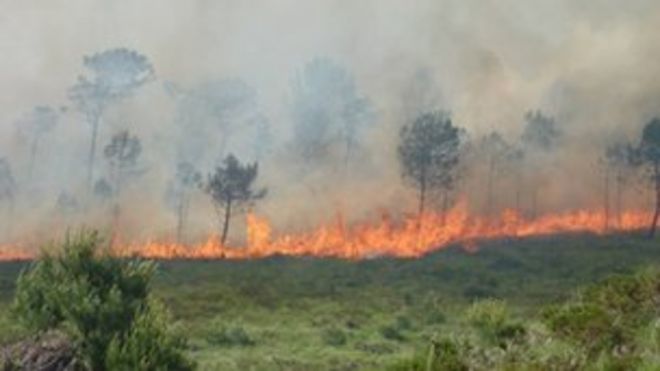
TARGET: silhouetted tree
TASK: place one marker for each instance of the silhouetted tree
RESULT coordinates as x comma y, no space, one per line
429,154
649,156
34,125
231,188
113,74
122,153
327,109
495,149
178,194
617,160
541,135
540,132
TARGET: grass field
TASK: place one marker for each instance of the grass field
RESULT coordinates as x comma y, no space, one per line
324,314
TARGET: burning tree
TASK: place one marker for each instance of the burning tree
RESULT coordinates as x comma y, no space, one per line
178,193
429,155
649,156
327,110
34,126
115,74
231,187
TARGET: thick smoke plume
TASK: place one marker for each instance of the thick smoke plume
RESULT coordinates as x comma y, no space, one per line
590,68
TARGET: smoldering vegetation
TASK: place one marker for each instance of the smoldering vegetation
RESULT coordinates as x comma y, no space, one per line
120,122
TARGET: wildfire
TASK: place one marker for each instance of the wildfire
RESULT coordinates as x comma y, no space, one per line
412,237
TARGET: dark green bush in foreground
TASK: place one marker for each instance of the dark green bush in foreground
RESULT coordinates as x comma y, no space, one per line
103,304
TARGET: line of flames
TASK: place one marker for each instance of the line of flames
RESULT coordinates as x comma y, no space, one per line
412,237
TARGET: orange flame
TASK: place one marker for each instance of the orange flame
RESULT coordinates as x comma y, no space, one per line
412,237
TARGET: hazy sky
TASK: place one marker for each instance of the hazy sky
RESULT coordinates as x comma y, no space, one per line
483,53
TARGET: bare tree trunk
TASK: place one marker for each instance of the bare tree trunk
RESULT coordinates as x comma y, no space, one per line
656,180
225,227
92,153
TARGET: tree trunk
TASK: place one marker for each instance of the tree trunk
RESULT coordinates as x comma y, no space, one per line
92,153
656,181
225,227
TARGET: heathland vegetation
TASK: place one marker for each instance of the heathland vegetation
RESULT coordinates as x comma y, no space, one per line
566,303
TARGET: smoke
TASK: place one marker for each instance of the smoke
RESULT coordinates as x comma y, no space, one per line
591,66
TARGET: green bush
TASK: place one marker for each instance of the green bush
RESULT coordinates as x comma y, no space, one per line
102,303
491,318
334,337
229,336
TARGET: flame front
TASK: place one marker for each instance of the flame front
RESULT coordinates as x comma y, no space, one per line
412,237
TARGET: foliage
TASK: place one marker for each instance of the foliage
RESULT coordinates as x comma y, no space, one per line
231,186
113,74
122,153
334,337
224,335
429,153
101,302
541,132
649,155
492,319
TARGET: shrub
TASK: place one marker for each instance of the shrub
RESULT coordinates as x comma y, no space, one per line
102,303
392,332
334,337
229,336
491,318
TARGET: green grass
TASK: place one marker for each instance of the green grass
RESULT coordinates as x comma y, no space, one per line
326,314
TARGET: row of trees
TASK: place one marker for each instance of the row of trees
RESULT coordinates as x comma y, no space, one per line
431,149
329,116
